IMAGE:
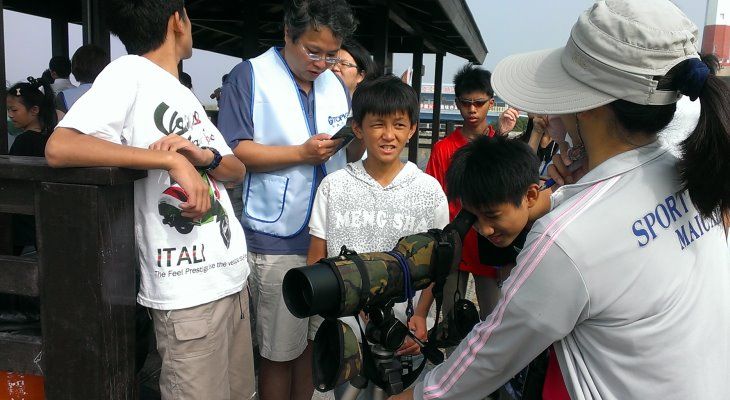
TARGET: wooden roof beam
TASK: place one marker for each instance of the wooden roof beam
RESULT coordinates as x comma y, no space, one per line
397,15
461,19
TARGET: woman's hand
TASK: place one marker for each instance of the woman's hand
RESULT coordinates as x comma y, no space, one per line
565,171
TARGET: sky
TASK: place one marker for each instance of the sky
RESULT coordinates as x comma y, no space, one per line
507,26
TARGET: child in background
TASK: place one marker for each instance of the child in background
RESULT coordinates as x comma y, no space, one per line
474,98
32,112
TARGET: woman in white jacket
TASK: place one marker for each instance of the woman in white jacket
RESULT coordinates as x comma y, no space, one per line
628,275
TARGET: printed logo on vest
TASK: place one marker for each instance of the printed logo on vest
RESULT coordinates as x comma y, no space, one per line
336,119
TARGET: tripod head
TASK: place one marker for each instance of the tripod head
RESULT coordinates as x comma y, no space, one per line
384,329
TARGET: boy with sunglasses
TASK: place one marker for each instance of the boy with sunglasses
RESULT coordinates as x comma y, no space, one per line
278,112
474,98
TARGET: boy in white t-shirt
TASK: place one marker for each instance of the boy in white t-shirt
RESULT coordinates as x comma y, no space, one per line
369,205
192,258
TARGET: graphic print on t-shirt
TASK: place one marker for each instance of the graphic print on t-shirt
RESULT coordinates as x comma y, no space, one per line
169,204
178,123
169,208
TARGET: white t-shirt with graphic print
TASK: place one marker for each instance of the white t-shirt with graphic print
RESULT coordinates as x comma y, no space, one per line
353,209
184,263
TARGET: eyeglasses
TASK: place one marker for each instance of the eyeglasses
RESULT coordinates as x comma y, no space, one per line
478,103
316,57
348,64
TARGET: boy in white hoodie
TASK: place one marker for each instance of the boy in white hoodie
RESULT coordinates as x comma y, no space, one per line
370,204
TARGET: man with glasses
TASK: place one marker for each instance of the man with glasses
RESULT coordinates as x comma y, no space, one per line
278,112
474,98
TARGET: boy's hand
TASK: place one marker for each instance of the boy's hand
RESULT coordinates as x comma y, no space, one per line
189,179
508,120
197,156
417,325
318,149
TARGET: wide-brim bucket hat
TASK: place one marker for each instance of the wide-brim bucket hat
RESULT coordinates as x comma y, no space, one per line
617,50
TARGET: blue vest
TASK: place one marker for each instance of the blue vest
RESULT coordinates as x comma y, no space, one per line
279,203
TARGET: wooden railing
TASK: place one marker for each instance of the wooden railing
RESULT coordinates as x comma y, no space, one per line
83,277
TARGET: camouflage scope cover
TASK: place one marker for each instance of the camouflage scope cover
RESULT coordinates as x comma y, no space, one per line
385,274
337,356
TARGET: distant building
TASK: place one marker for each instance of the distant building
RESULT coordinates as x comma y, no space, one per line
716,37
449,112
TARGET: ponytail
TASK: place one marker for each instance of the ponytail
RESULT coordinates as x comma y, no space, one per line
47,114
705,163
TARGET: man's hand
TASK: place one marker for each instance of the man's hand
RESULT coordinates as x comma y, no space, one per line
417,325
197,156
189,179
318,149
508,120
405,395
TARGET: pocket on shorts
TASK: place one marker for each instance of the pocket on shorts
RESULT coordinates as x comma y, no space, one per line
191,338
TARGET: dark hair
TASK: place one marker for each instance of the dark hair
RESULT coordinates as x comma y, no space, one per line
142,24
491,171
471,78
186,80
88,62
705,165
712,62
300,15
60,65
46,75
384,95
362,57
30,95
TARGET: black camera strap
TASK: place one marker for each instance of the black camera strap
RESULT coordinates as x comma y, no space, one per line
341,284
444,263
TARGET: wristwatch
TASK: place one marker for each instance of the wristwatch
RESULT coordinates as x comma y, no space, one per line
216,159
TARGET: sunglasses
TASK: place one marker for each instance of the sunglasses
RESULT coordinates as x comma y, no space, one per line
316,57
478,103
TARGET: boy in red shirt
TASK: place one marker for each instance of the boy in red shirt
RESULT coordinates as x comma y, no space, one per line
474,98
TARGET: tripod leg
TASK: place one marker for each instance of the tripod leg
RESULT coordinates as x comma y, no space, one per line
351,393
379,394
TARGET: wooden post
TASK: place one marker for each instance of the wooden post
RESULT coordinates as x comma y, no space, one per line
59,37
3,89
83,276
416,83
94,25
437,92
87,290
382,56
250,42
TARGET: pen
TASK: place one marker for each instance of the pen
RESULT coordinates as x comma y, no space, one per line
551,182
547,184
